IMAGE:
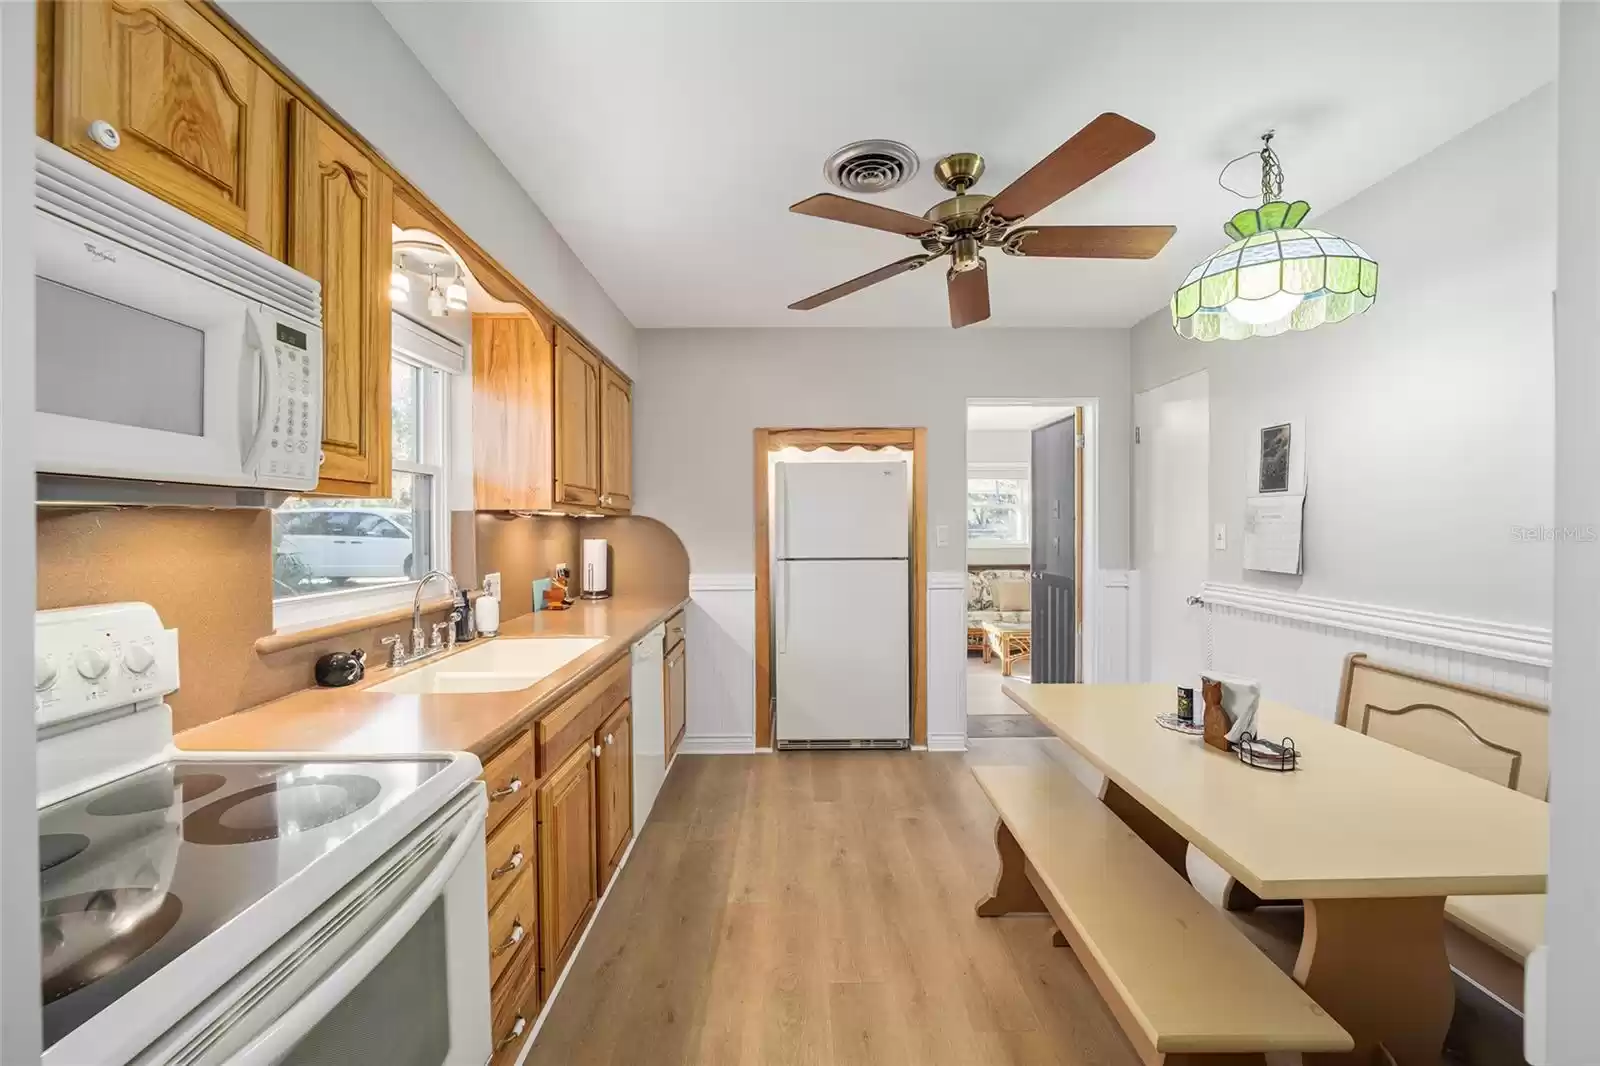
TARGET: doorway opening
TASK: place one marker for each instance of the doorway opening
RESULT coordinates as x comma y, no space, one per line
1030,540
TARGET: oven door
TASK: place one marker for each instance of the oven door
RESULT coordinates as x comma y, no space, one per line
393,972
144,370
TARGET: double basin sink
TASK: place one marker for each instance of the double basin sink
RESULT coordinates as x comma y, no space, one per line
503,664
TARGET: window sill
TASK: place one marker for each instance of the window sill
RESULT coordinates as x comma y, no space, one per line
306,623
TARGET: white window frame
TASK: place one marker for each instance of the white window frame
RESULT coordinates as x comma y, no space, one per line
1009,471
293,613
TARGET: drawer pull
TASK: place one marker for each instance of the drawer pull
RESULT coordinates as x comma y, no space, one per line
511,789
510,864
517,1030
517,934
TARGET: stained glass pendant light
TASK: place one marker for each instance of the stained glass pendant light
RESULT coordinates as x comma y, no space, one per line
1276,275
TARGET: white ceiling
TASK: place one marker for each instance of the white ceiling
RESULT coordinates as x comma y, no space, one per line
1012,416
665,141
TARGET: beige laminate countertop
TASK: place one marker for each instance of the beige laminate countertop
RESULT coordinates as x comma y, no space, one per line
1360,818
356,720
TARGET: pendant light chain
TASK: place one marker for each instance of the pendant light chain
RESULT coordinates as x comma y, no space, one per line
1271,171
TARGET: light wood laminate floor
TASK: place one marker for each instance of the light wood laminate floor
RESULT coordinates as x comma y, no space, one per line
818,908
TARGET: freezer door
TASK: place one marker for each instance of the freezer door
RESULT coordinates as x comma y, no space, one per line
843,663
843,510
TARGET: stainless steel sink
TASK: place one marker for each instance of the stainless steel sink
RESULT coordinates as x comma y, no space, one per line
504,664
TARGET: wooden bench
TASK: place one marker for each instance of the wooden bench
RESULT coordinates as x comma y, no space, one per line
1186,987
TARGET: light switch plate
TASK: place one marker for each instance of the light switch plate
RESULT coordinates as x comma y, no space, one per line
941,536
1219,539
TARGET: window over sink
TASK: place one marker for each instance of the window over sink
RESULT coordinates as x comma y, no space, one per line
334,558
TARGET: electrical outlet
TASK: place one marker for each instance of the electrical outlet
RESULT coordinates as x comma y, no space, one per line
941,536
1219,539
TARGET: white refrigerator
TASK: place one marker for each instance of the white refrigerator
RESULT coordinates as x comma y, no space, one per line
841,604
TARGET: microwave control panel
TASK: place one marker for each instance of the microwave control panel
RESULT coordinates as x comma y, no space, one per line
293,452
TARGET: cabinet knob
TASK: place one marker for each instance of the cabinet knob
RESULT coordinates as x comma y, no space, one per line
597,751
611,738
105,135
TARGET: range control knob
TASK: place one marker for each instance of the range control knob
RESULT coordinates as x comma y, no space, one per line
137,658
91,663
44,673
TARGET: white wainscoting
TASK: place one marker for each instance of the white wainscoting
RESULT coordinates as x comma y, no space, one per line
1295,645
722,664
947,660
1113,644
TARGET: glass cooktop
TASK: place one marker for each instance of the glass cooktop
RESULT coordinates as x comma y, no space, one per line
134,873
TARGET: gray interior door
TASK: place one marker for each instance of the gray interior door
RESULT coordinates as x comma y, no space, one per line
1054,539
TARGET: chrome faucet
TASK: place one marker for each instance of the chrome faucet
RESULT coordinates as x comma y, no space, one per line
421,647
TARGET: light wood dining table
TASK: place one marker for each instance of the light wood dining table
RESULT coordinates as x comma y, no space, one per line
1370,836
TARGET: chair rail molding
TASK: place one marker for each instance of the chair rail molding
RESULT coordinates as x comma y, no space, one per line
1529,645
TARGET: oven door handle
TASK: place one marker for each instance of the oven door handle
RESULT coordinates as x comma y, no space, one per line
293,1024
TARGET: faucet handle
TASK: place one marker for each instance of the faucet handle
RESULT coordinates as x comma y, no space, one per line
397,649
436,641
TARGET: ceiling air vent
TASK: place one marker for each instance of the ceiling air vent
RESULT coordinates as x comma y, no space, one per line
871,166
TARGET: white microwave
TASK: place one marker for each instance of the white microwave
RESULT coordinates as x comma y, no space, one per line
166,350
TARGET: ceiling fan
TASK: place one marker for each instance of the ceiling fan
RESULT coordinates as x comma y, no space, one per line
962,226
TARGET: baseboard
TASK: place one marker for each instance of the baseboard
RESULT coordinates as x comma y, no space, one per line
947,742
709,744
1530,645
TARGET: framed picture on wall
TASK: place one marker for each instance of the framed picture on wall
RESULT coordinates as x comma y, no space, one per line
1272,472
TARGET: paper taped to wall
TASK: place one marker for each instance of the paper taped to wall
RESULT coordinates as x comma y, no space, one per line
1272,528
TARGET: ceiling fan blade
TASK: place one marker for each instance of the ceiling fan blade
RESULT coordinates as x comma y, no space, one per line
1092,242
969,296
1092,151
861,213
884,273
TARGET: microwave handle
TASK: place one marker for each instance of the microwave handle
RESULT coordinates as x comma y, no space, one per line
288,1029
268,369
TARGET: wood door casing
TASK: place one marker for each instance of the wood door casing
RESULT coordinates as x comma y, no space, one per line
577,417
512,398
341,204
677,703
616,440
614,789
201,122
567,885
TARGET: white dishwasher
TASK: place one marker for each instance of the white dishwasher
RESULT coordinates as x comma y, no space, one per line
649,724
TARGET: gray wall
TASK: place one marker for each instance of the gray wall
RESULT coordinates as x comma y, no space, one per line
346,53
702,391
1429,417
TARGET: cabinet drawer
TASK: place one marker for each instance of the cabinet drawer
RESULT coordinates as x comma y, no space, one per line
513,925
675,630
573,723
509,852
509,777
514,1007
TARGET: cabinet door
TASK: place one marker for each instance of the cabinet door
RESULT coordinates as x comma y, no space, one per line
198,122
614,785
616,440
511,404
339,233
677,717
567,887
577,423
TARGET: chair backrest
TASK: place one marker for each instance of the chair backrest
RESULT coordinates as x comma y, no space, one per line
1495,736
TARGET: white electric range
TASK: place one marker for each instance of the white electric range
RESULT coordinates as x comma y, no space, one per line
203,908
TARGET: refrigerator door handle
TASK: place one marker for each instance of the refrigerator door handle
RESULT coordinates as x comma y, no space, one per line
782,613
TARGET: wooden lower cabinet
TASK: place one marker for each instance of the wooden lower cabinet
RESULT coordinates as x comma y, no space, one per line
513,927
613,791
515,1007
677,701
568,886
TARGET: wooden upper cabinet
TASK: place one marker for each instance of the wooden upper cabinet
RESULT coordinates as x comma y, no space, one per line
512,396
616,440
198,122
340,206
567,884
577,412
